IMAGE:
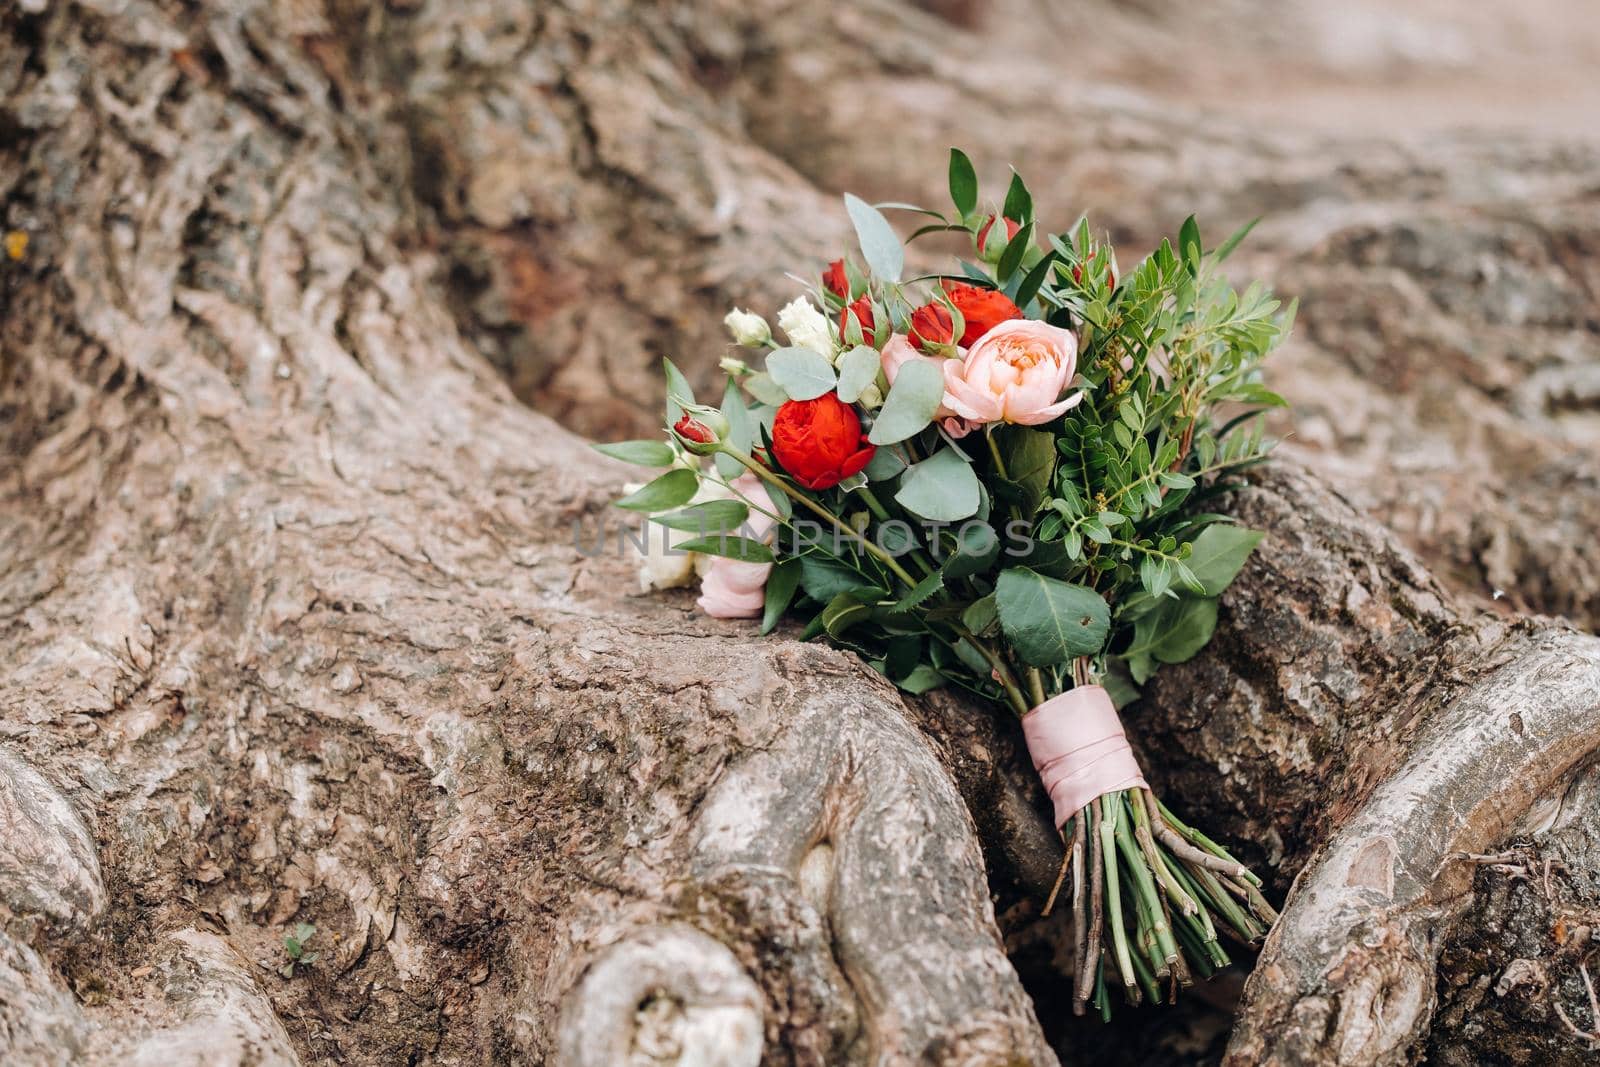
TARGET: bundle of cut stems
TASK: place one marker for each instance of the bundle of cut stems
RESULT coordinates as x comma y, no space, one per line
1151,898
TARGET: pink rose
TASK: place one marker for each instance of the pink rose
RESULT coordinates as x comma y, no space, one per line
897,352
1014,373
731,589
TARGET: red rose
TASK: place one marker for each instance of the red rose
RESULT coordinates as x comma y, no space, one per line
1011,230
863,310
693,429
836,281
931,325
819,441
981,309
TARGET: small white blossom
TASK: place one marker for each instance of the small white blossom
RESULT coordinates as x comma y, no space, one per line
806,327
871,397
747,327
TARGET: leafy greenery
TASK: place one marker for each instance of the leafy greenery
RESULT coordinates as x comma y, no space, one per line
294,947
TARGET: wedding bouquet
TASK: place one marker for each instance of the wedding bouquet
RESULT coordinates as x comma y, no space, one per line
997,477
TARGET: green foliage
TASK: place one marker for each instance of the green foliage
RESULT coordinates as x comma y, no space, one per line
801,373
673,489
1048,621
640,453
294,947
917,391
942,488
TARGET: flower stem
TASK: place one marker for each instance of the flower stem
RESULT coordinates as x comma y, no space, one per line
800,498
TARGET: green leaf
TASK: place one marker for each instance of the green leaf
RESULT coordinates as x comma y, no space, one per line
885,463
921,592
1035,278
678,392
640,453
942,488
879,245
824,578
858,368
916,394
714,516
1030,457
980,615
1226,248
1047,621
1174,632
741,430
673,489
1016,248
1019,202
761,386
1189,244
729,546
303,932
800,372
963,183
781,584
847,609
977,546
922,679
1219,553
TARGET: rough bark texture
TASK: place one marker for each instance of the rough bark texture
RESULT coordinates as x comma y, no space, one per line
295,629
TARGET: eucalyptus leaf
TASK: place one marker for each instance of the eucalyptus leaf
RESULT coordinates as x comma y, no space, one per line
858,368
880,247
1047,621
801,373
763,388
916,394
741,430
885,463
942,488
679,394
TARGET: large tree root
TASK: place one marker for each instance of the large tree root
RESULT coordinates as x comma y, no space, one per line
1350,970
295,630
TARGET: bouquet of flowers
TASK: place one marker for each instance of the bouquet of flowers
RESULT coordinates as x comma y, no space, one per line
997,478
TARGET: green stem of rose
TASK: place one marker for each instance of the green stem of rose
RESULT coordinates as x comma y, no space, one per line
823,513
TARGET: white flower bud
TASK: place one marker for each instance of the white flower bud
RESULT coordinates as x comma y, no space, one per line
806,327
747,327
871,396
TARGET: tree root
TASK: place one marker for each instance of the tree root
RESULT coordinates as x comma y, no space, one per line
1347,975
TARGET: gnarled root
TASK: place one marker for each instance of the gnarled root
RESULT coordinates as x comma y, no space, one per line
1348,974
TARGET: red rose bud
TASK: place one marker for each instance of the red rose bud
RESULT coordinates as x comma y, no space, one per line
819,441
702,431
863,313
1012,226
836,281
931,328
981,309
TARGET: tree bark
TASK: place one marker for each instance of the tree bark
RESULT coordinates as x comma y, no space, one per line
297,630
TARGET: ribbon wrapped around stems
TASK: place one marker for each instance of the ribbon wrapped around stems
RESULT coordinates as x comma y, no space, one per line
1079,749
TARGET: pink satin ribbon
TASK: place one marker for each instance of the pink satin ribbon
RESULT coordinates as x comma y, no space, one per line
1079,750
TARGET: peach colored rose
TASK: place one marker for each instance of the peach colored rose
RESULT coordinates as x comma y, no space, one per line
1013,373
898,351
731,589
